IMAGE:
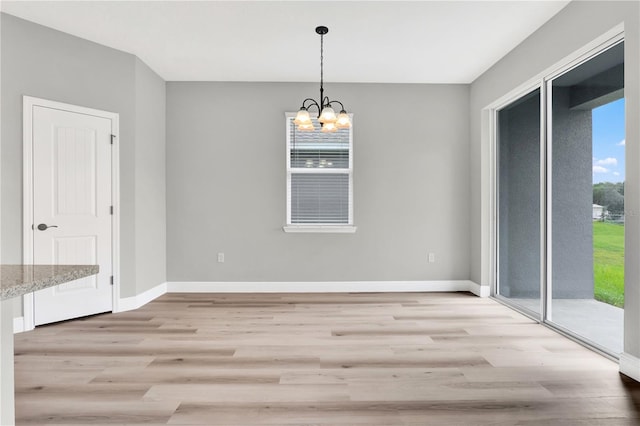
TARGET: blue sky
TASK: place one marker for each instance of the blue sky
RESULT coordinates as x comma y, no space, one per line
608,142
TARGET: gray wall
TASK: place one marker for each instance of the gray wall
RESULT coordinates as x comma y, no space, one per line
150,177
226,184
550,44
41,62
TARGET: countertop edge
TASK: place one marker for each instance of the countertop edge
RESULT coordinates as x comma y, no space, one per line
57,275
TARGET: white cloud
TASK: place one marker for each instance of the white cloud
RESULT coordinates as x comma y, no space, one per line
616,174
606,162
622,142
600,169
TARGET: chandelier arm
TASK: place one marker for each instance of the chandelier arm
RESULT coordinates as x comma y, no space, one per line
310,104
336,102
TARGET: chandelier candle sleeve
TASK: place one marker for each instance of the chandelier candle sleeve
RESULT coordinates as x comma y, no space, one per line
306,126
326,114
343,121
329,127
302,117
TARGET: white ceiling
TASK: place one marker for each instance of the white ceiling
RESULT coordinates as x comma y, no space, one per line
368,41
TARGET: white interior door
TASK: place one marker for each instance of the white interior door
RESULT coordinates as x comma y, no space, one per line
72,213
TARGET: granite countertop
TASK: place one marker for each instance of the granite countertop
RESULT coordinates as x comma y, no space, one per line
16,280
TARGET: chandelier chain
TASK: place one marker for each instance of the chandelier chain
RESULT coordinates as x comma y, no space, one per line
321,70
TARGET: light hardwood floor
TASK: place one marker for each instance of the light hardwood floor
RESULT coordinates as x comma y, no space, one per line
282,359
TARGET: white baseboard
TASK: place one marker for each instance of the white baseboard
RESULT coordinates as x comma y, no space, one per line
124,304
135,302
479,290
322,287
18,325
630,366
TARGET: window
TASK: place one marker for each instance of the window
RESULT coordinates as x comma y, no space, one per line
319,180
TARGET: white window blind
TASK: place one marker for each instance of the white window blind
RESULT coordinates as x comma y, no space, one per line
319,176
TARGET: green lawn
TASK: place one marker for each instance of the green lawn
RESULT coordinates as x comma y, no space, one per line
608,262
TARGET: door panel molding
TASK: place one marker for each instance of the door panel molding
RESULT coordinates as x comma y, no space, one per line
29,103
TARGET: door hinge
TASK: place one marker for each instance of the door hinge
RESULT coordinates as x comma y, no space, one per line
111,209
112,138
111,279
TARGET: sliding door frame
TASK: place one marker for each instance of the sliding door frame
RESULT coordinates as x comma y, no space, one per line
543,81
548,87
522,92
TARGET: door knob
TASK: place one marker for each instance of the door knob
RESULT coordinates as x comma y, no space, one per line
43,227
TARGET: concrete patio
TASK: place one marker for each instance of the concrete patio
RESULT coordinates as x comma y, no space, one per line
596,321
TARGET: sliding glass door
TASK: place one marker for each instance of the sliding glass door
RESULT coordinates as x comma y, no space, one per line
586,139
560,200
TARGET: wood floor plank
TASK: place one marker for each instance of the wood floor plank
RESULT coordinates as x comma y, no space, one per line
186,375
290,413
51,362
52,411
321,359
250,393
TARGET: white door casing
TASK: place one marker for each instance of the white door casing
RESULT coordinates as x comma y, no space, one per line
72,190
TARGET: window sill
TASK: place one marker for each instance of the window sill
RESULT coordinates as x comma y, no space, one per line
330,229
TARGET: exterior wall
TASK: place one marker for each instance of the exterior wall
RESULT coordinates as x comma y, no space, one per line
519,194
572,199
520,199
226,184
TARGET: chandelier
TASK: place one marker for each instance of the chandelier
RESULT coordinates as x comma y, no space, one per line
326,114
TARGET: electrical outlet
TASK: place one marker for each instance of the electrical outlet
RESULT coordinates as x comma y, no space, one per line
220,257
431,257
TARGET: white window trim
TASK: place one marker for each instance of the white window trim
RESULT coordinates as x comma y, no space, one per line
319,228
334,229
